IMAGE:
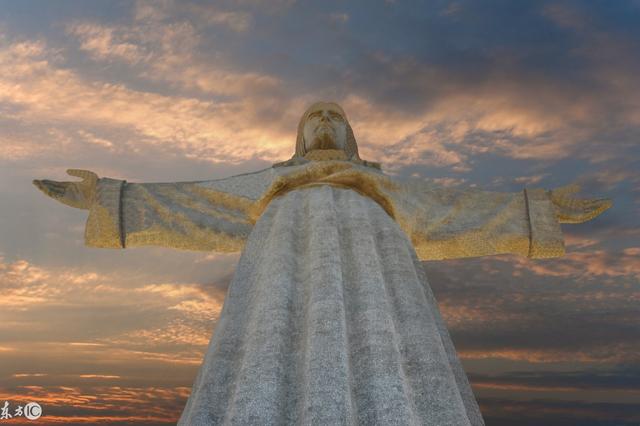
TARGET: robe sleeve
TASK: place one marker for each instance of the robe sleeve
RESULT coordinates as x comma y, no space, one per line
206,215
446,223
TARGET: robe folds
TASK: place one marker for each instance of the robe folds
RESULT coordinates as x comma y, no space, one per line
329,319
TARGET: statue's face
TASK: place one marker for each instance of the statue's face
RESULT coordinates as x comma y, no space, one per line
325,128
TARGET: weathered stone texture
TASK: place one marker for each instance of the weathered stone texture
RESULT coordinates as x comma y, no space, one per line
331,327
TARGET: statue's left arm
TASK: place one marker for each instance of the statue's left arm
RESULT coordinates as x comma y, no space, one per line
449,223
203,215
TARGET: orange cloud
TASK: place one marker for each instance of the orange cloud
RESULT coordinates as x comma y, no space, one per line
168,323
234,129
98,376
613,354
29,375
591,264
201,129
101,404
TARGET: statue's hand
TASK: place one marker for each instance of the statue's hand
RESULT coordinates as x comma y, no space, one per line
575,210
74,194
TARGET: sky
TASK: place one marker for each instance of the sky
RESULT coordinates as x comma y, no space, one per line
499,95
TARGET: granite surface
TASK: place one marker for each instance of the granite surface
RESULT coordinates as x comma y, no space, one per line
329,321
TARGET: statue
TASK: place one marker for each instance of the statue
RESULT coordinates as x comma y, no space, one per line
329,319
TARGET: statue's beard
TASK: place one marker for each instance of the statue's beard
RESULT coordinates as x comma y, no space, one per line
323,139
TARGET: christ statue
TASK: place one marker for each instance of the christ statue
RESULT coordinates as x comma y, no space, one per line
329,318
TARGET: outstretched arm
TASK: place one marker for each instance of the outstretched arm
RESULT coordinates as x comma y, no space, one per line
206,215
452,223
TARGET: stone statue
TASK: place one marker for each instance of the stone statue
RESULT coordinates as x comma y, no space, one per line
329,319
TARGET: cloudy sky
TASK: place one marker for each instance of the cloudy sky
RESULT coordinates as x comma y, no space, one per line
495,94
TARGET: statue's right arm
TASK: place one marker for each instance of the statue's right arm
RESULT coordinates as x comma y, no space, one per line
205,215
452,223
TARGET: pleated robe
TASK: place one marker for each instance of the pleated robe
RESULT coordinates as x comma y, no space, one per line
329,320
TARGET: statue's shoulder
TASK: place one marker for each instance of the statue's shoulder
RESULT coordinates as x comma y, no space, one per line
437,189
317,167
254,185
247,185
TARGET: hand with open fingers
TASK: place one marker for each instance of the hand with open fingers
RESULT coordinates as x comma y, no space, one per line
570,209
74,194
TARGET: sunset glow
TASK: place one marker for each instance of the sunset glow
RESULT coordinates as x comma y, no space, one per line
497,95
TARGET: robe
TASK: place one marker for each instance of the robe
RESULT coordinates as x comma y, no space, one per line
329,318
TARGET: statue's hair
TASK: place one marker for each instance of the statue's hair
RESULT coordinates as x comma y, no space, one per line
351,147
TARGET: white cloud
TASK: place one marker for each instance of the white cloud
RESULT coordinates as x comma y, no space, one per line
106,43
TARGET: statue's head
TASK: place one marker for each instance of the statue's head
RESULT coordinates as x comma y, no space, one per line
324,126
